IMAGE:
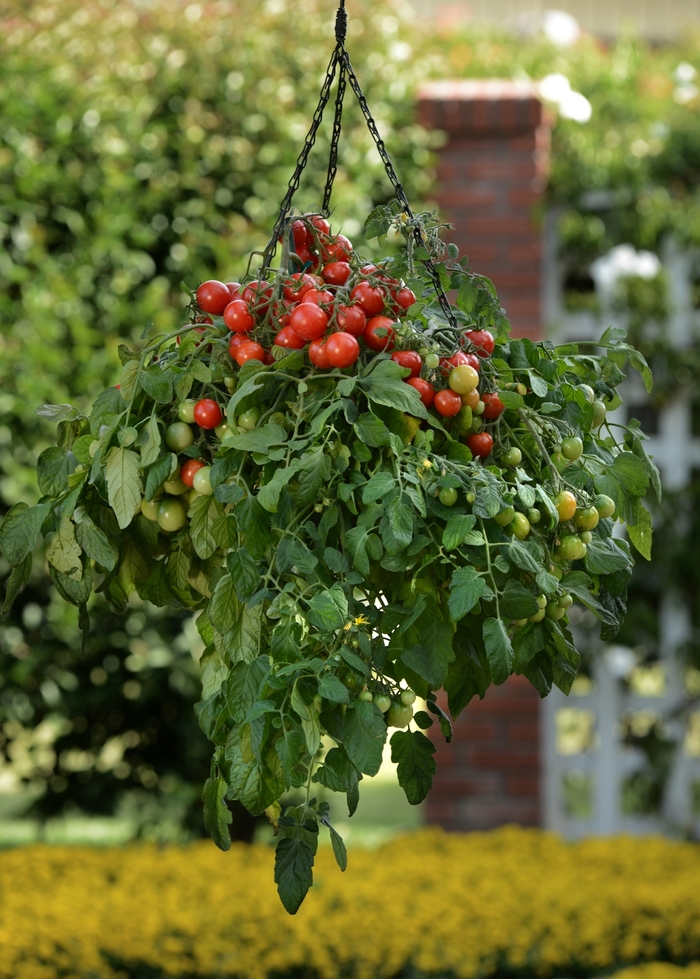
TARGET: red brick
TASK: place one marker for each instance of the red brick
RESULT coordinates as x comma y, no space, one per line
513,224
523,785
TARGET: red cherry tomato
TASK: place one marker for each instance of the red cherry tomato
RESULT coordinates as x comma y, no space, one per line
288,338
297,285
207,413
494,405
307,257
368,269
319,297
188,470
236,340
234,289
321,224
424,389
318,355
258,295
342,349
300,233
336,273
447,363
482,340
308,321
405,297
268,358
237,317
481,444
410,359
351,319
250,350
379,333
213,296
371,298
338,249
448,402
473,361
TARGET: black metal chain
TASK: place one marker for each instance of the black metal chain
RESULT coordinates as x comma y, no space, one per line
340,60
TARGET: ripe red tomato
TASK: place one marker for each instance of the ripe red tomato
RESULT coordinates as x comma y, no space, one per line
405,297
308,258
318,355
481,444
300,234
473,361
207,413
297,285
338,249
213,296
351,319
258,295
371,298
337,273
249,350
448,402
424,389
288,338
319,297
379,333
188,470
308,321
482,340
268,358
368,269
236,340
321,224
456,360
494,405
410,359
234,289
237,317
342,349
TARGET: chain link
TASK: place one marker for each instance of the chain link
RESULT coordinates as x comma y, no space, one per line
335,139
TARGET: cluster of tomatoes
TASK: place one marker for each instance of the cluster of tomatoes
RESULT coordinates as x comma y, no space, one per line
333,309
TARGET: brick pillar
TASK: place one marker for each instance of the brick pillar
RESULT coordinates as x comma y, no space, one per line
490,178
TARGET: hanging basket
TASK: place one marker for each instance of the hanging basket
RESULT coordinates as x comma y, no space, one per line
369,494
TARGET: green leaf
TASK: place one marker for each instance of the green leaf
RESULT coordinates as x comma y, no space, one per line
456,530
246,394
294,861
63,551
517,602
244,638
58,413
488,501
499,651
149,442
313,473
526,555
328,611
538,385
605,556
466,588
339,774
243,686
109,402
217,816
20,531
223,608
18,578
431,657
332,689
293,553
207,526
269,494
339,851
400,521
469,674
260,440
123,484
379,487
626,477
157,384
640,533
372,431
412,753
54,466
128,379
254,521
94,541
365,734
158,473
244,573
356,549
200,371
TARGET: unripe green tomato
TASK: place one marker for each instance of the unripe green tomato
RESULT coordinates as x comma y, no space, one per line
554,612
505,516
464,419
477,423
565,502
587,518
247,420
538,616
513,457
222,430
463,379
408,697
231,384
178,436
541,601
534,515
365,695
201,483
351,680
520,525
171,515
185,411
191,496
175,487
599,413
586,536
605,506
520,389
557,572
570,548
149,508
559,460
399,715
566,601
521,622
572,448
480,408
470,497
277,418
317,703
432,361
588,391
382,702
448,496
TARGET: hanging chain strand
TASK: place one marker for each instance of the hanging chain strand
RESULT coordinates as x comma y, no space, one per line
335,139
293,185
398,188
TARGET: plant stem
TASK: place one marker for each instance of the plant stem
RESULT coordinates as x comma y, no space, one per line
556,478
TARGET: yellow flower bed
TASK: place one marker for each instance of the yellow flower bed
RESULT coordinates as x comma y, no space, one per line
509,901
660,970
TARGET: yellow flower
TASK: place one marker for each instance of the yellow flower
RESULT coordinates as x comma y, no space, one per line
361,620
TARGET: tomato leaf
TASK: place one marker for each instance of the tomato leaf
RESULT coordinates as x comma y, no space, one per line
54,466
20,531
339,774
206,525
243,686
63,551
18,578
499,651
640,533
605,556
466,588
412,753
93,541
365,734
456,530
244,571
294,861
217,816
517,602
149,442
157,384
123,483
328,611
224,608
